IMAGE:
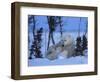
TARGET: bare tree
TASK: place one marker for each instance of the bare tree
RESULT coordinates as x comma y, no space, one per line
60,24
52,24
86,28
79,26
34,25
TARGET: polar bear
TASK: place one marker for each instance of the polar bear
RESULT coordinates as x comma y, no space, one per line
64,48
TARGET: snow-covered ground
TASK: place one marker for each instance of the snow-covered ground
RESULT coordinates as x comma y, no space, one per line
67,61
60,61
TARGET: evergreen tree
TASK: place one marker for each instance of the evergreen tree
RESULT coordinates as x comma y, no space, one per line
31,20
36,45
84,43
39,40
33,47
78,49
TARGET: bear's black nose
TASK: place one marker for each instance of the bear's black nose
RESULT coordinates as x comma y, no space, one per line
63,45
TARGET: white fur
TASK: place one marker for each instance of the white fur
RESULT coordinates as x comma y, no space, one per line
58,50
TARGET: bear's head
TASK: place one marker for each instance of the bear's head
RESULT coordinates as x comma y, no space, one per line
67,40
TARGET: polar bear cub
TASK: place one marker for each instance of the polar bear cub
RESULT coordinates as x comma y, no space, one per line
64,48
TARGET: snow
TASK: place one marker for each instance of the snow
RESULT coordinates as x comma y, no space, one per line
67,61
61,60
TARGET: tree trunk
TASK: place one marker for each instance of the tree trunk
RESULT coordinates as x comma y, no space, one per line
61,30
48,41
86,28
34,22
52,38
51,24
79,27
60,26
